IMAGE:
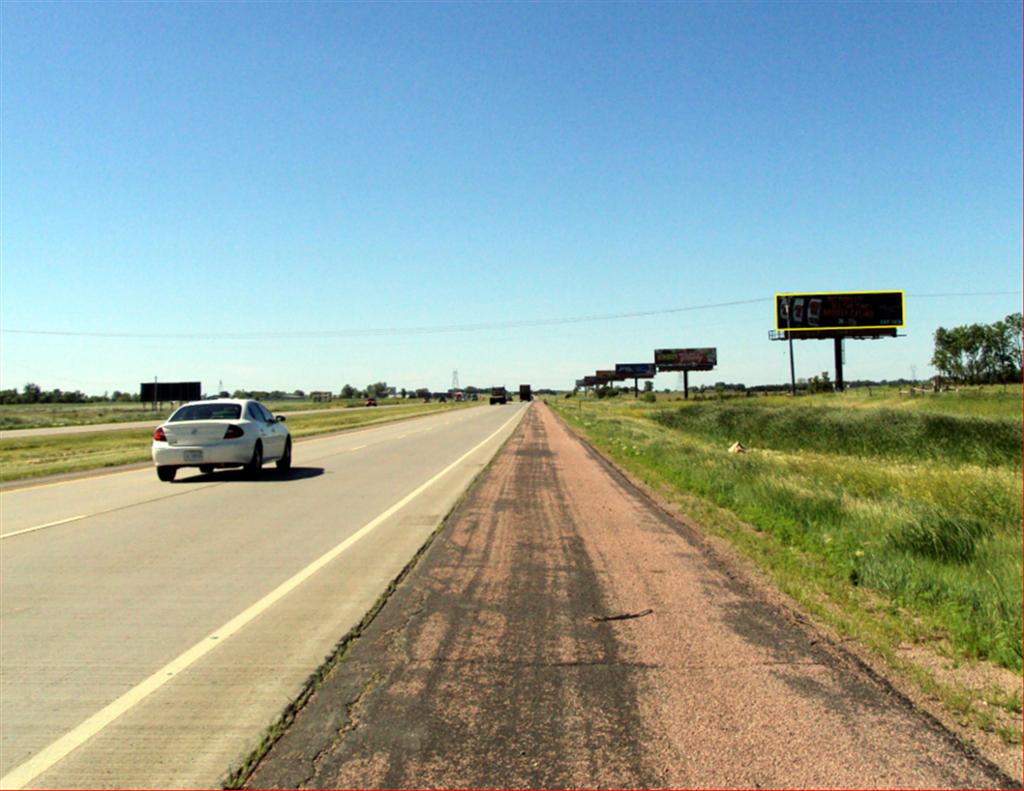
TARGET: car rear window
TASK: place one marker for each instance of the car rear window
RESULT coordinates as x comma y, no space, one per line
207,412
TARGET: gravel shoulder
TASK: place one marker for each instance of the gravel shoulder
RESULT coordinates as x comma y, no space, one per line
501,660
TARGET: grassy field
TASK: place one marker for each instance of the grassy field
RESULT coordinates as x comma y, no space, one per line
17,416
895,519
32,457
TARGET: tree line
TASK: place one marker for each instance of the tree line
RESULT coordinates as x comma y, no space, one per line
980,353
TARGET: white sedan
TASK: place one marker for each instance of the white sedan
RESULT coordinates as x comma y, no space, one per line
221,433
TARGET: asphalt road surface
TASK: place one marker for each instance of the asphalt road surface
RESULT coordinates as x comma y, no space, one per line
562,631
150,632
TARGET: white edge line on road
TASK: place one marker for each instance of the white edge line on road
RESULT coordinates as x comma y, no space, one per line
43,527
47,757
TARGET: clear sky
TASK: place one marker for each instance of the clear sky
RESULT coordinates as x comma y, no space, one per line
274,195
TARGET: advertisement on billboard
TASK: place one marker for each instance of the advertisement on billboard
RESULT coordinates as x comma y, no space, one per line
170,391
635,370
591,381
686,359
607,376
842,310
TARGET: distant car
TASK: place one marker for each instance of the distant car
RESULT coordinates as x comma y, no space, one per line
371,402
221,433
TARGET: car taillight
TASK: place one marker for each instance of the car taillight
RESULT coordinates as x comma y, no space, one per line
159,435
233,432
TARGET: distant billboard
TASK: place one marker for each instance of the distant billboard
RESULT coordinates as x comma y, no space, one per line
608,376
590,381
686,359
635,370
581,382
841,310
170,391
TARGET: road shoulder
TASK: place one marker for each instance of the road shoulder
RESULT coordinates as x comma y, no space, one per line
562,631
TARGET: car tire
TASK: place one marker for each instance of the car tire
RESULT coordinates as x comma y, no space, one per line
166,473
255,465
205,469
285,462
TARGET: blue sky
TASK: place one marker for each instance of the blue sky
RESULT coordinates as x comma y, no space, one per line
178,173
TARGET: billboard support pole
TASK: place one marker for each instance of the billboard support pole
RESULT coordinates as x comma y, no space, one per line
636,387
839,364
789,334
686,385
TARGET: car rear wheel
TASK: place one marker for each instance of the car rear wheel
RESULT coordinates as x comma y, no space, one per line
166,473
252,469
285,462
205,469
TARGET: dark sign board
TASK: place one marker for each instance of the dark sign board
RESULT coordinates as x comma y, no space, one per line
635,370
581,382
845,310
171,391
686,359
590,381
608,376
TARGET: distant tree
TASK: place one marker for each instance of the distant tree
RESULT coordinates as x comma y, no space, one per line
377,389
402,392
299,393
348,391
977,353
422,392
820,384
30,393
649,386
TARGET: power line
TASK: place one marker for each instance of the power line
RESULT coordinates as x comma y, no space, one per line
443,328
427,330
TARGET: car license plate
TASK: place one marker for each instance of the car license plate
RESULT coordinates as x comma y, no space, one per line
193,455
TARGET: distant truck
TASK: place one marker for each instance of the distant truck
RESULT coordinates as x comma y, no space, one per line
525,393
499,395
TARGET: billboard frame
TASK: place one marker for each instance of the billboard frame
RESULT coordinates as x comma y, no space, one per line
844,329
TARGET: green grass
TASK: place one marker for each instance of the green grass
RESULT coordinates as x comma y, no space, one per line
882,433
19,416
919,510
33,457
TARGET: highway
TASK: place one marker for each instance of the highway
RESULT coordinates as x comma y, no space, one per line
150,632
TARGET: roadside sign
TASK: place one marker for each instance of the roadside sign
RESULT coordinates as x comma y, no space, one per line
840,310
170,391
702,359
635,370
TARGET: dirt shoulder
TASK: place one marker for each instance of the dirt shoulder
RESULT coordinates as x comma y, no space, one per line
494,664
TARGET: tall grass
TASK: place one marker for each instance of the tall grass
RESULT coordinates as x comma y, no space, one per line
886,434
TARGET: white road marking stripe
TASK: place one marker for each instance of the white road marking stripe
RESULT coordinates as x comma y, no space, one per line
43,527
46,758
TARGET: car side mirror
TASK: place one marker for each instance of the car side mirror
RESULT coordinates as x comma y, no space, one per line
280,418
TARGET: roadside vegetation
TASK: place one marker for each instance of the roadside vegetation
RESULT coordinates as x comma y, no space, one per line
53,415
894,518
33,457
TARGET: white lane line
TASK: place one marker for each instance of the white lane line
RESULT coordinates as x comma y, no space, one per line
357,447
43,527
46,758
